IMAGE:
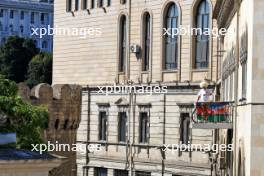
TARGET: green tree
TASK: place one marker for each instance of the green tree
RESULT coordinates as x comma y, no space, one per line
26,120
15,56
40,69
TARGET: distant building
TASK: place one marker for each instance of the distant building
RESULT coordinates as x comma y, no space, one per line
18,17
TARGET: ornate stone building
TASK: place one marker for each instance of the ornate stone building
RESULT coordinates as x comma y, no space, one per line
130,48
241,60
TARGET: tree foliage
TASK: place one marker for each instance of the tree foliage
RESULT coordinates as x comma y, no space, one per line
40,69
26,120
15,56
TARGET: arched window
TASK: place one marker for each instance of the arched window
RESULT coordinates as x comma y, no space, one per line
202,20
122,44
171,22
146,41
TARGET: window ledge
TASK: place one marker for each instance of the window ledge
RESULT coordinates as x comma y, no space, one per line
170,71
200,70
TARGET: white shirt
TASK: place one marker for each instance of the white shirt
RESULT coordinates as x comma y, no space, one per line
204,95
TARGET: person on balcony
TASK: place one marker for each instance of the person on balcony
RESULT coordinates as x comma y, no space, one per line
204,94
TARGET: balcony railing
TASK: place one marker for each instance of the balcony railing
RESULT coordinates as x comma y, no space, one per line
213,115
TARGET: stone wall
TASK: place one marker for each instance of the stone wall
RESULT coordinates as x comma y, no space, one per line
64,104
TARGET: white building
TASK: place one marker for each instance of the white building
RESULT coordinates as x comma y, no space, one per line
18,17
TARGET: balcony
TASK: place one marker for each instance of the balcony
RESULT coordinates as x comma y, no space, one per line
213,115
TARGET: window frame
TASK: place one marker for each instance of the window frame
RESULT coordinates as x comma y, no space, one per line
22,15
32,18
146,41
118,172
122,128
2,13
165,38
195,37
183,137
102,132
122,45
98,170
76,5
68,5
11,15
143,138
100,3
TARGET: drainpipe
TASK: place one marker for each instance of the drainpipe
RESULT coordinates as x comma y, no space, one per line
128,42
88,124
237,6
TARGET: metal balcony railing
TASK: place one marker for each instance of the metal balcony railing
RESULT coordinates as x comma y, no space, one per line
213,115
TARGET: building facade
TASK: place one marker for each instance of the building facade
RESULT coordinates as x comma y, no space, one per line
242,82
128,46
18,17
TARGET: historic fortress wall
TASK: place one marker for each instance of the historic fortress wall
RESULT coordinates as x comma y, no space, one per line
64,105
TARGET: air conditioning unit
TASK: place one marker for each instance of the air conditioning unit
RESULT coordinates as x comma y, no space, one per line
134,48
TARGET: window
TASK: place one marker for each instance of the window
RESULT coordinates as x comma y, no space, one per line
76,5
108,3
42,18
1,12
122,126
122,44
11,14
102,125
244,80
122,1
68,5
243,62
201,40
92,4
22,15
1,26
146,41
100,172
44,45
21,29
100,3
120,173
185,128
171,41
140,173
84,4
32,18
231,88
11,28
143,127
